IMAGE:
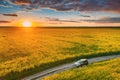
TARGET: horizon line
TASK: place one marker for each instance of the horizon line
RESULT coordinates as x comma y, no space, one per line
62,27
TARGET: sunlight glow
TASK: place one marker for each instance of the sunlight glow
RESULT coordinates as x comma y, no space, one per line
27,24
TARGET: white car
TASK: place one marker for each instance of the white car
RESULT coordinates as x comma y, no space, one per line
81,62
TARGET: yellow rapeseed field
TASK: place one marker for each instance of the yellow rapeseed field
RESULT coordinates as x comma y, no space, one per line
105,70
25,51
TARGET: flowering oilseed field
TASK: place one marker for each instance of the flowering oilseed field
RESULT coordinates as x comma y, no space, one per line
105,70
25,51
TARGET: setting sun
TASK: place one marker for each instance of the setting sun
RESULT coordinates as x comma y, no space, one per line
27,24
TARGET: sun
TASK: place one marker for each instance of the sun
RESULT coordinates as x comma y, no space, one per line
27,24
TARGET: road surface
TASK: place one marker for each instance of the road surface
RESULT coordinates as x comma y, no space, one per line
48,72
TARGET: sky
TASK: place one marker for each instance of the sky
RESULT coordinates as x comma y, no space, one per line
60,13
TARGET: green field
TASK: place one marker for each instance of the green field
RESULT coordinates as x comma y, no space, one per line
105,70
25,51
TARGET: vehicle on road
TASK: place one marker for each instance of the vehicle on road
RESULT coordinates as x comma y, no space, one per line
81,62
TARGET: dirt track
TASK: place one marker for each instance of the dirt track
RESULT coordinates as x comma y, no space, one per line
40,75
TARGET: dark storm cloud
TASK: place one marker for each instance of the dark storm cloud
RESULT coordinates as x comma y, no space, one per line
105,20
5,21
13,15
66,5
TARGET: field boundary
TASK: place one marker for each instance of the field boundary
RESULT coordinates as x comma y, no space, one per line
31,71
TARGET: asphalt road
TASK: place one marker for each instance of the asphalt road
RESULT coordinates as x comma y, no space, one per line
48,72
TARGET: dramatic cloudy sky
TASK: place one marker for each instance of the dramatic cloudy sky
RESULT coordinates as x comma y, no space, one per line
60,12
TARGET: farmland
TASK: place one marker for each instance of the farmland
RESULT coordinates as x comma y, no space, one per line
105,70
25,51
